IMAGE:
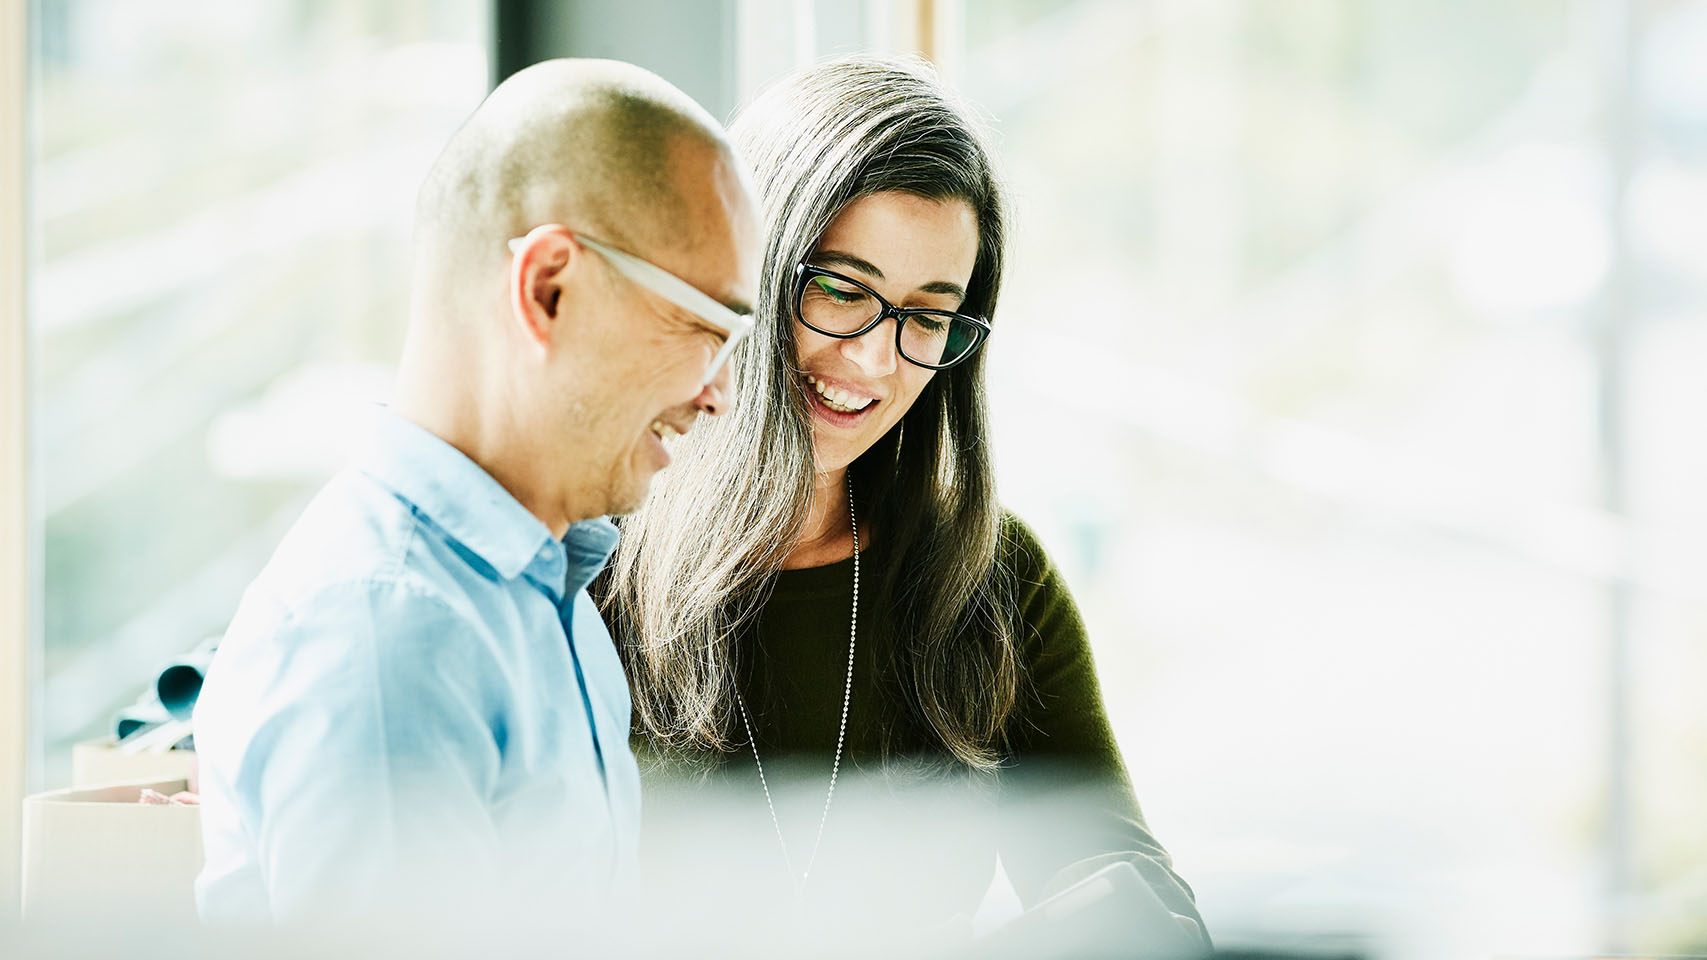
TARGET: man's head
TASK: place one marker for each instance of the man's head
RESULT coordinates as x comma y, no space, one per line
548,356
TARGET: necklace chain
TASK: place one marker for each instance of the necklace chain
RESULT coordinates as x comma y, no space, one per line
841,731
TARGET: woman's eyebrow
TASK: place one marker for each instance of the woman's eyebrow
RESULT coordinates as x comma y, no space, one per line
828,258
835,258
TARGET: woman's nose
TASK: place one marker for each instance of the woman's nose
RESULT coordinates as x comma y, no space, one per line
874,351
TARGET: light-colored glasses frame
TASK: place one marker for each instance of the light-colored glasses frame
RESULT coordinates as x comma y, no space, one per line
669,286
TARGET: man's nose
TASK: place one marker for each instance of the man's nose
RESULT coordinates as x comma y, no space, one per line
718,394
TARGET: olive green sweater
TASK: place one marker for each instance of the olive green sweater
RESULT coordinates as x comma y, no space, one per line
907,832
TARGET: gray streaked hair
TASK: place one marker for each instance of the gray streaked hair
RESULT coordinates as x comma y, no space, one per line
697,561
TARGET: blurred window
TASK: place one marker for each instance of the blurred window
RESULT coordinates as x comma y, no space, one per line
222,199
1381,393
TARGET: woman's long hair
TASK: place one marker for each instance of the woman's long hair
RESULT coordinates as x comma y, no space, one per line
696,562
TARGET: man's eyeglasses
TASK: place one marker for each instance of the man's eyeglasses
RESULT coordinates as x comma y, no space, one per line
842,307
672,288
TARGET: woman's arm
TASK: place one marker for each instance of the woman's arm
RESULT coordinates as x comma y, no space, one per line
1068,807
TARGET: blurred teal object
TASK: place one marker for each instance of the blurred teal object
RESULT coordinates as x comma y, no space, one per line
172,695
147,711
178,686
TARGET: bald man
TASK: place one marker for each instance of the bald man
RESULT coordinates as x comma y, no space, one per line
416,708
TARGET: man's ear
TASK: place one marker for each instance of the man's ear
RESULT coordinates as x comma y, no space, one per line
539,270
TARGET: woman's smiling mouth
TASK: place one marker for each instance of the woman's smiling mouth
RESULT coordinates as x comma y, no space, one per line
837,399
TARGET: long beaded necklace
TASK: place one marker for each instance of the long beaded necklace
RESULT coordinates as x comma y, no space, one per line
841,732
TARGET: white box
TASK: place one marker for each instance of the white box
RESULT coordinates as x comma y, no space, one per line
100,853
98,762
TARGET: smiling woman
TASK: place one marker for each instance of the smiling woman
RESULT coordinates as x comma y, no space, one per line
864,378
826,584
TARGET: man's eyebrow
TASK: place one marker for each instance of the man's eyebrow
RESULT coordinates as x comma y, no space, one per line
693,319
740,308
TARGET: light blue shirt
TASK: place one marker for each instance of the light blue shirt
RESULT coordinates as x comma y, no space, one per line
415,702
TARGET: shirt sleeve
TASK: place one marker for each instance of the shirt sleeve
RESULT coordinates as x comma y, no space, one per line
368,774
1068,807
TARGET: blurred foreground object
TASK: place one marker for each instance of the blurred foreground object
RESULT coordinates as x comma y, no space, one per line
1112,912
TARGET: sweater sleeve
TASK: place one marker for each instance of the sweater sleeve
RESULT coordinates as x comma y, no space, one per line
1067,804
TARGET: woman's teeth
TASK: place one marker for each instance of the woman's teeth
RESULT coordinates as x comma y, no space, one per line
664,430
838,400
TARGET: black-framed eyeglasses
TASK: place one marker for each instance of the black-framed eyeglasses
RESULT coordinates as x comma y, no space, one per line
841,307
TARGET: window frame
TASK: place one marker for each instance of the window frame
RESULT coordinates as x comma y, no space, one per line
16,579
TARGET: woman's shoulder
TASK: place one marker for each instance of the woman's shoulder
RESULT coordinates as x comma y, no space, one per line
1051,632
1020,552
1040,594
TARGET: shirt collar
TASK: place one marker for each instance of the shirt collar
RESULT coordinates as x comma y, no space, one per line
588,545
454,494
